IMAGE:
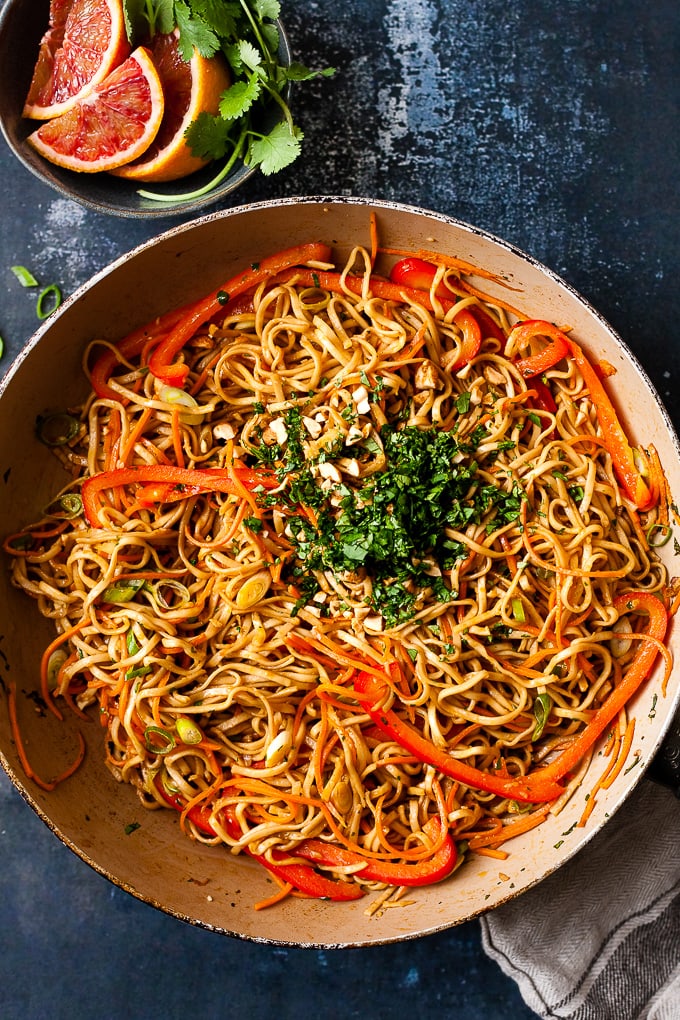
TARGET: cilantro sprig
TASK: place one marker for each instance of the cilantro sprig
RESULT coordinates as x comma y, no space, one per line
245,32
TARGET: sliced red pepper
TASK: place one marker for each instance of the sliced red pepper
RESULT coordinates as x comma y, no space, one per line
187,481
162,362
303,878
414,272
543,398
637,673
551,355
422,872
372,692
472,338
614,437
541,785
130,347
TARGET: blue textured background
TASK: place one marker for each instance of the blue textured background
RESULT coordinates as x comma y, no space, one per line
554,126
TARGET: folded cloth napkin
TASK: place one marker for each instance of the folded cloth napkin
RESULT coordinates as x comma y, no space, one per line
600,938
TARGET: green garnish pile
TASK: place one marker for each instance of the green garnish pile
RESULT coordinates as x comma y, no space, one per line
395,525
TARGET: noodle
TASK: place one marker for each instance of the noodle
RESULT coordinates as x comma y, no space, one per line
345,549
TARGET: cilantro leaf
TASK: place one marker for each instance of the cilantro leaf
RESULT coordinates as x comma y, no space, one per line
209,137
298,72
194,33
267,9
238,99
276,150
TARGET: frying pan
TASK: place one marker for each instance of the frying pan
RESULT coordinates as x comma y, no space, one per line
101,821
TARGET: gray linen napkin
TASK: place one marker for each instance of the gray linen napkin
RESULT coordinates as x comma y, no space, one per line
600,938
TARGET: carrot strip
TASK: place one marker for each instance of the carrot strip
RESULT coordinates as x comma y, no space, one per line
30,772
44,664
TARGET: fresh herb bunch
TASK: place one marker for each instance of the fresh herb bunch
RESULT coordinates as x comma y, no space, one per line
244,31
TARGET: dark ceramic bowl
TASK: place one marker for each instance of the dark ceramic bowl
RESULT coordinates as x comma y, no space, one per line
22,25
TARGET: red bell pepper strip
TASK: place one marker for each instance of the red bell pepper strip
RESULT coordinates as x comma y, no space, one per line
613,435
303,878
187,481
422,872
472,338
415,272
553,353
542,784
637,673
162,362
372,692
542,398
131,346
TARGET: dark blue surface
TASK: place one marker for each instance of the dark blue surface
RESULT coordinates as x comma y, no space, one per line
553,125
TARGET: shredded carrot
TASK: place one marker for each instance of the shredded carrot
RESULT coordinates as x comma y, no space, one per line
285,890
373,226
134,434
487,851
613,769
21,751
512,829
44,664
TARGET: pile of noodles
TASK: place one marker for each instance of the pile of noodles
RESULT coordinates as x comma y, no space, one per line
225,679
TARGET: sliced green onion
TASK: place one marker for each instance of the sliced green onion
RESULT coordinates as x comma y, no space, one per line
154,734
65,507
641,463
57,429
131,642
173,395
49,300
24,276
122,591
2,347
518,611
188,731
542,706
132,674
658,535
167,783
54,664
253,590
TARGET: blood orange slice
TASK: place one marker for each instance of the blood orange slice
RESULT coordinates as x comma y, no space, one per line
85,40
114,123
190,87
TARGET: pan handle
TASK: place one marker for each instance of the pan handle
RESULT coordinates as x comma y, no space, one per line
665,766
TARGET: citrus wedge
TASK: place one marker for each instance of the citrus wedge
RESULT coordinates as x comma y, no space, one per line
85,40
114,123
190,87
